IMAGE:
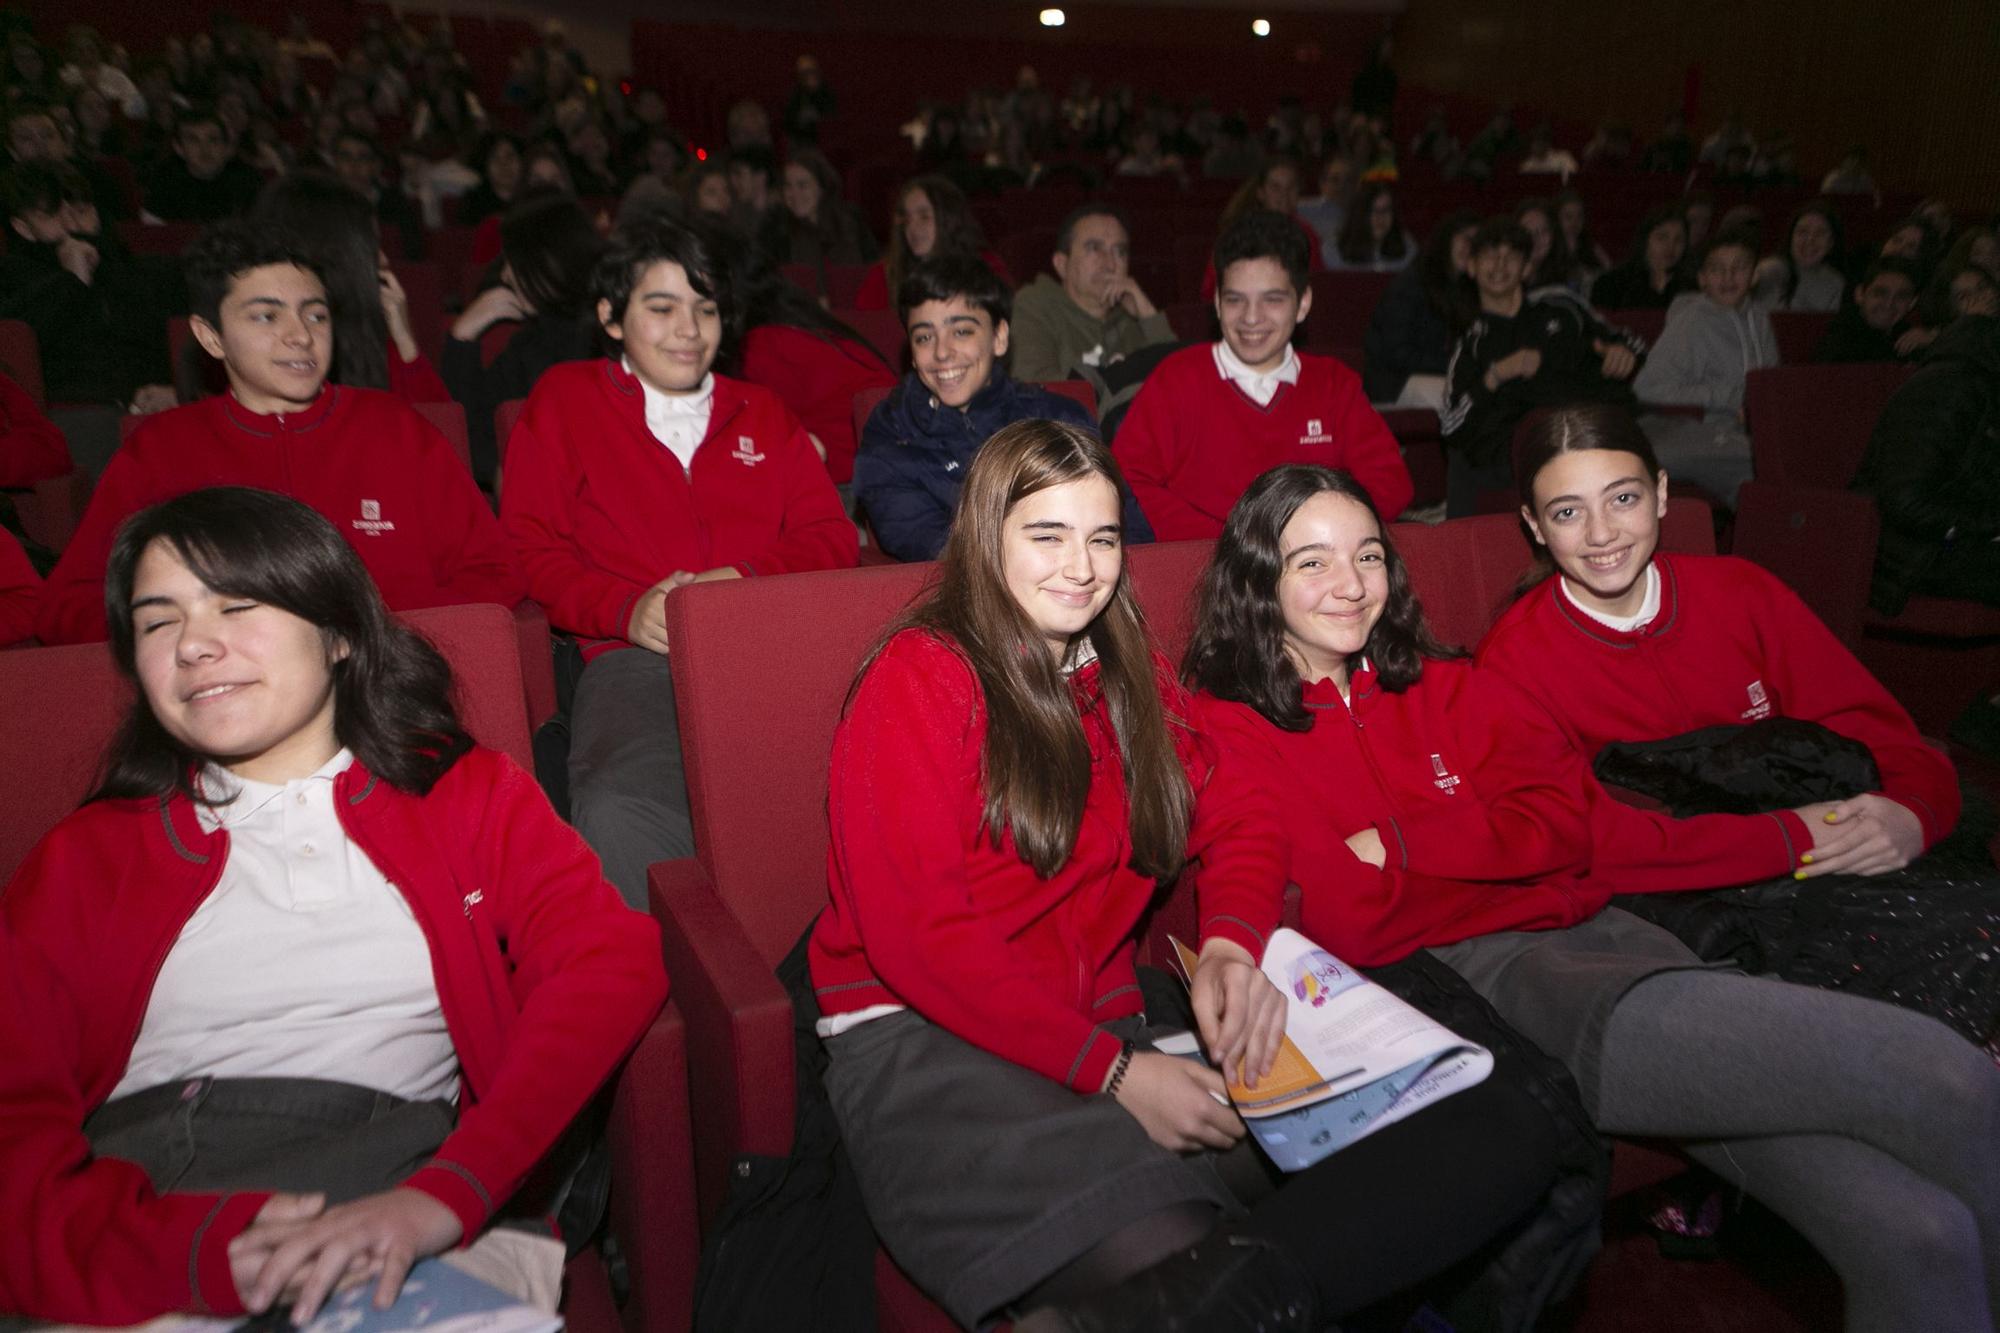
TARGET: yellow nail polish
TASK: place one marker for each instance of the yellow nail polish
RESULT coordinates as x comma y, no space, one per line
1798,874
1830,817
1806,859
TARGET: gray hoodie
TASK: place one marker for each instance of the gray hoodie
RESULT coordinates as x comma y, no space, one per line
1703,354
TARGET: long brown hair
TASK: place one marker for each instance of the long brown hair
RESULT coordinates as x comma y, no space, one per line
1035,764
957,229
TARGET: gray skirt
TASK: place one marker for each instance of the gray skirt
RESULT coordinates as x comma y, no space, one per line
1558,987
983,1178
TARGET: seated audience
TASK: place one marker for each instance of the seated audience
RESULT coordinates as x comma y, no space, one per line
204,180
590,168
1673,151
1915,241
20,591
1587,260
1548,265
706,191
1874,326
753,188
394,977
378,471
1215,415
932,220
1326,212
498,161
1521,351
791,345
359,166
33,136
1698,212
813,225
1809,274
548,249
1712,340
1408,346
1652,275
1851,175
632,475
1373,236
918,444
1935,474
99,313
374,344
1011,782
32,449
87,68
1543,158
1091,312
1273,188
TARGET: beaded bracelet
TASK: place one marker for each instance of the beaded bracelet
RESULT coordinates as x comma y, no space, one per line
1123,1063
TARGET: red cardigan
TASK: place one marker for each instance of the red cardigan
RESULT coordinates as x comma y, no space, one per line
1731,644
546,978
1193,442
601,511
1478,804
20,589
31,448
817,377
928,913
362,457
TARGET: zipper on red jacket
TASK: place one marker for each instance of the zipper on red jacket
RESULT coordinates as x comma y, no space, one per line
168,939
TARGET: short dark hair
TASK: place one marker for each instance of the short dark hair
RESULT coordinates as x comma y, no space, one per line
351,135
392,689
699,246
200,113
1262,234
226,250
758,158
1237,651
552,247
43,187
1889,264
1094,208
1735,238
1495,233
947,276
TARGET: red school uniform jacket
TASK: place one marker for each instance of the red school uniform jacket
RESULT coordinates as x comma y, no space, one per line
1476,799
601,510
365,459
927,912
545,977
32,449
20,590
1193,442
817,377
1731,644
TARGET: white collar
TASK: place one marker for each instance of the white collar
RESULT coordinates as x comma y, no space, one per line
689,404
1081,654
1648,608
249,795
1260,385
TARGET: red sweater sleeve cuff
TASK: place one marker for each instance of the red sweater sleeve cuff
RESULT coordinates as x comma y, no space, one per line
1798,838
1927,818
458,1189
214,1286
1237,931
1094,1061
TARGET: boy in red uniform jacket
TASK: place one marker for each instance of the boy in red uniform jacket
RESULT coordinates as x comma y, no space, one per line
630,476
1212,419
378,471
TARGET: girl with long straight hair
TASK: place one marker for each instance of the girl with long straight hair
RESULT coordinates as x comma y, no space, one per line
1427,805
931,218
1011,782
366,979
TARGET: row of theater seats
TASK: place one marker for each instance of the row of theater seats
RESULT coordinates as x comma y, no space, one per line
713,1080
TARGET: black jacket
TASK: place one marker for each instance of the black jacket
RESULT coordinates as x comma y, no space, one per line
1405,337
1933,463
1479,422
539,343
1630,287
1849,337
99,342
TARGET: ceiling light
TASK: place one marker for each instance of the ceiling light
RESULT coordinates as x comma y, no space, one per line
1262,27
1052,18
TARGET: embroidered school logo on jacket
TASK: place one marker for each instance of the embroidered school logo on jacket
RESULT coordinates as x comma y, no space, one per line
745,451
1316,432
1760,703
371,520
1445,780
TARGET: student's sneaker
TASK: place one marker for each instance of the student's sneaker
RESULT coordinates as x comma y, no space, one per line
1224,1284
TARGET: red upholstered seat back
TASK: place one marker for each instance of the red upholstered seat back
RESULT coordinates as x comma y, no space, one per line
1809,425
449,418
60,706
1344,300
21,358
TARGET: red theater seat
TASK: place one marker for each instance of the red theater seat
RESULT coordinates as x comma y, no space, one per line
1343,301
1809,425
1798,331
21,359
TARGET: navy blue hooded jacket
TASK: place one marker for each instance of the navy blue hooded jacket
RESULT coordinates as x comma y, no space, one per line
914,453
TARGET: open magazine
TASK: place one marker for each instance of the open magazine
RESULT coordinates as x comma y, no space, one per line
436,1298
1354,1058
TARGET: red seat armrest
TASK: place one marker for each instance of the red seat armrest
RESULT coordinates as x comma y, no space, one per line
538,667
739,1029
653,1205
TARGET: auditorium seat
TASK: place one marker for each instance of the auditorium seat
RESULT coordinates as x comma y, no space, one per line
58,709
158,238
1820,541
1193,321
1343,301
1809,425
884,331
423,284
21,359
1798,331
